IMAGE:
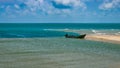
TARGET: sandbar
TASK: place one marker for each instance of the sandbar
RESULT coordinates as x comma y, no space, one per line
104,38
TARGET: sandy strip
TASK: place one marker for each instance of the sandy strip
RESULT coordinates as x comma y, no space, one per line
104,38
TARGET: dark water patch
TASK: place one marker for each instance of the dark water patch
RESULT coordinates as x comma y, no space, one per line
60,25
33,34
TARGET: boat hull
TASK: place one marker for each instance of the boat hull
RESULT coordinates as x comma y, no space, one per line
78,37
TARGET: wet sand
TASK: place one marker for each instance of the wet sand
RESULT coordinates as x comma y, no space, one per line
104,38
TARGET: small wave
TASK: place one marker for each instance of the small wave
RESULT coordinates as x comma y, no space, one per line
48,29
94,31
118,33
98,32
56,29
18,35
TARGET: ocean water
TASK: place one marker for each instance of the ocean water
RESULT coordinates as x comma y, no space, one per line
44,46
28,30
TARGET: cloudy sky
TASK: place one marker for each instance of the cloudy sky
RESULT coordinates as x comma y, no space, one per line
59,11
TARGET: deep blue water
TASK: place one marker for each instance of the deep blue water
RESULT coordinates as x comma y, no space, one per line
21,30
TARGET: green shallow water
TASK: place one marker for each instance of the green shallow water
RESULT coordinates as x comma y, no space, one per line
58,53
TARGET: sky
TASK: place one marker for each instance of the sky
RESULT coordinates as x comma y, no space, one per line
59,11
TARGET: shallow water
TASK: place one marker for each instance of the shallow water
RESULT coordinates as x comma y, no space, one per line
57,52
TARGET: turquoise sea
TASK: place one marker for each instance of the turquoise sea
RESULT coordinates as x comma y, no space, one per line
44,46
28,30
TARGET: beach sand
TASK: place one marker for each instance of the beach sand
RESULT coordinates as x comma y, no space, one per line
104,38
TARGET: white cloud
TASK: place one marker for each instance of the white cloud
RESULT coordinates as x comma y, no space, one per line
43,7
46,6
17,6
107,4
73,3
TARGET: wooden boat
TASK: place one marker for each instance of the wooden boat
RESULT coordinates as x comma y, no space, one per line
78,37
